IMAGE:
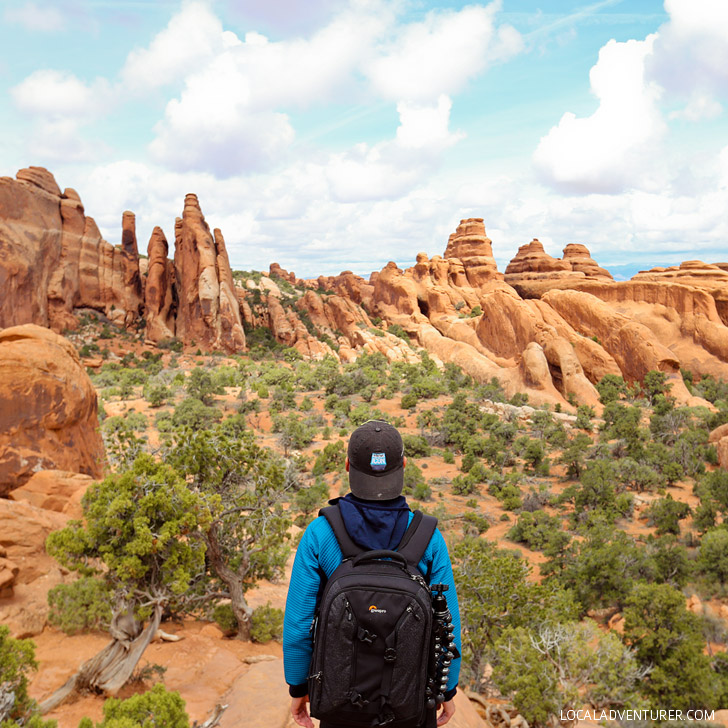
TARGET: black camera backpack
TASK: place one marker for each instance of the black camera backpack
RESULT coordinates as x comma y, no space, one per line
373,632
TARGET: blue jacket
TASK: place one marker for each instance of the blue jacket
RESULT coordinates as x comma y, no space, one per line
317,558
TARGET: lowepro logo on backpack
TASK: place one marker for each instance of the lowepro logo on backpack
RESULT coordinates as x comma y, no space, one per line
374,608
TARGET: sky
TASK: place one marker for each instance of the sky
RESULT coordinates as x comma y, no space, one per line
331,135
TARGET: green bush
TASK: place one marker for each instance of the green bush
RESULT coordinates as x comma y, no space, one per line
193,413
397,330
409,401
172,344
155,708
157,395
17,659
226,621
330,459
266,624
80,606
666,514
416,446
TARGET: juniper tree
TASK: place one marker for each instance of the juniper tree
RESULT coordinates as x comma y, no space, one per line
244,485
140,535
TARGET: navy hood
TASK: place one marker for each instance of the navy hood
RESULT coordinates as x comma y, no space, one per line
375,524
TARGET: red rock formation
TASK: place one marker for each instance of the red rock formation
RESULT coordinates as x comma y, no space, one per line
470,245
55,260
634,347
54,490
532,271
160,291
48,406
580,260
532,258
712,278
719,438
8,573
275,271
684,318
208,312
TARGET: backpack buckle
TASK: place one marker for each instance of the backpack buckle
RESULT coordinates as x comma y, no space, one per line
390,654
366,636
358,700
386,716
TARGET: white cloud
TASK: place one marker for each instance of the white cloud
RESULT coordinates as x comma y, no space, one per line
699,107
192,36
441,54
60,105
614,148
426,126
59,94
691,53
43,18
213,127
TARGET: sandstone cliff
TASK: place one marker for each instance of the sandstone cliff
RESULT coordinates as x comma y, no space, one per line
550,326
55,260
207,308
48,417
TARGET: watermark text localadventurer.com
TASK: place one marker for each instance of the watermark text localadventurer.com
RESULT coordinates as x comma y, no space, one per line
621,715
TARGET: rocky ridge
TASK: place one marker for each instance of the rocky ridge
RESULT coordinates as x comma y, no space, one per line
551,326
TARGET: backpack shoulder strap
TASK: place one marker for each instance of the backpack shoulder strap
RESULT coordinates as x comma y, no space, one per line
416,537
333,515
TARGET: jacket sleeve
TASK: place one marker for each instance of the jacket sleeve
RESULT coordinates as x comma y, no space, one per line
441,573
306,578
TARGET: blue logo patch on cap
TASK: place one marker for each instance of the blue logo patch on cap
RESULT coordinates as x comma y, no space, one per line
378,461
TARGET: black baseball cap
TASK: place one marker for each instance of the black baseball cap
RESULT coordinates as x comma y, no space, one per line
376,461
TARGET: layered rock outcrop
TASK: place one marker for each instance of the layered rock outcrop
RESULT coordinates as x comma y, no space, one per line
710,277
55,259
470,245
533,271
552,326
48,408
207,309
160,299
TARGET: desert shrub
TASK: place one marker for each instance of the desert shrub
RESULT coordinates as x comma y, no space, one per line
308,500
201,385
464,485
475,524
712,560
397,330
266,624
163,421
156,707
413,478
17,660
330,459
409,400
611,388
157,395
225,619
363,413
584,415
666,513
534,529
295,433
191,412
416,446
567,664
172,344
80,606
668,638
